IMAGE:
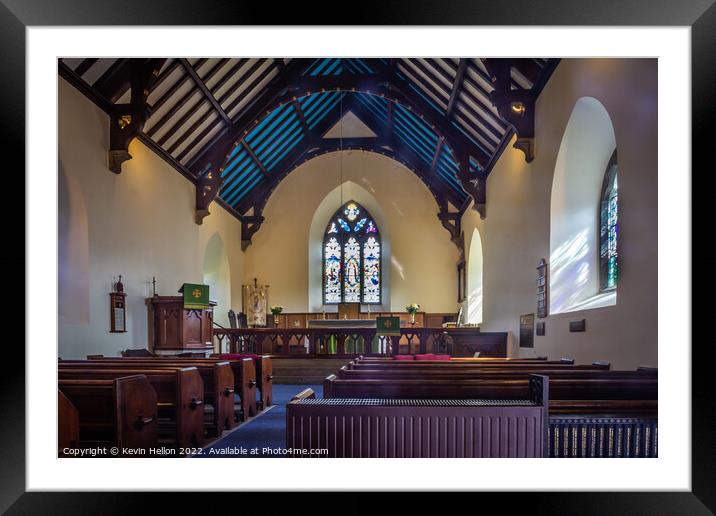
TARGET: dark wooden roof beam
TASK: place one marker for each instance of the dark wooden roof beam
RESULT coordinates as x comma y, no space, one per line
240,83
436,157
170,114
202,86
249,114
85,65
181,121
256,160
310,136
457,86
528,68
115,80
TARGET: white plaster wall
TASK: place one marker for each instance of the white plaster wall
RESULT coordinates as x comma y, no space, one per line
139,223
516,232
422,266
324,212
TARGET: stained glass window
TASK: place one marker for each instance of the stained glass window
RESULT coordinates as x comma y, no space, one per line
352,257
352,281
371,270
332,271
608,227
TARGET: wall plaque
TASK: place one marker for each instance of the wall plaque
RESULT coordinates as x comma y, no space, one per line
461,282
117,315
542,282
527,329
578,325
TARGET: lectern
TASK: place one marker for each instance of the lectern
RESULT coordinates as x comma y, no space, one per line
175,329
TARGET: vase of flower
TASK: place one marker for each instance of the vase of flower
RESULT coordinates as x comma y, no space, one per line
412,310
276,311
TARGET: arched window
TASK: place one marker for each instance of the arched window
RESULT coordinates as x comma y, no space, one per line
351,257
608,227
579,230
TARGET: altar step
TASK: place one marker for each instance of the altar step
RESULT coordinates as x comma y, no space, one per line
306,370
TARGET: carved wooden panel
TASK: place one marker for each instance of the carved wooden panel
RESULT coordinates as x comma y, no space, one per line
175,328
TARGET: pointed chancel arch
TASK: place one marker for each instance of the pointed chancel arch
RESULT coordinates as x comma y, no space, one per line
474,279
586,154
352,257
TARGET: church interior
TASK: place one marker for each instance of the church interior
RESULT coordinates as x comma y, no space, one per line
358,257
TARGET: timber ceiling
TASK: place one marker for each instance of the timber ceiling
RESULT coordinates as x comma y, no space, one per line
255,120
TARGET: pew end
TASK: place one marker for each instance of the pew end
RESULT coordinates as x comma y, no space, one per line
305,394
328,386
68,424
647,369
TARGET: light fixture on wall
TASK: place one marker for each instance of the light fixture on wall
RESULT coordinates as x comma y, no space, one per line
518,107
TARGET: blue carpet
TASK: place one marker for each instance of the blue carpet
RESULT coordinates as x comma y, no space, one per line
268,430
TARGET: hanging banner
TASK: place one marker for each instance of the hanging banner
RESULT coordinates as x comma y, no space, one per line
255,304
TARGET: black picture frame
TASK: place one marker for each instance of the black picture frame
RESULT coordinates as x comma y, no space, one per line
700,15
527,331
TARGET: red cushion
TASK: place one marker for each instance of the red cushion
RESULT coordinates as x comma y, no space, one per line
403,357
442,357
237,356
426,356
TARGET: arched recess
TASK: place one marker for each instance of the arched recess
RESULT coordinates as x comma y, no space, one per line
587,145
217,274
474,279
73,251
321,216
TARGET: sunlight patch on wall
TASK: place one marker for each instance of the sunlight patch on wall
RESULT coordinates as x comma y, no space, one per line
474,280
584,153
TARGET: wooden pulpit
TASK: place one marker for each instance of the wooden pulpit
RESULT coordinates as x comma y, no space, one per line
174,329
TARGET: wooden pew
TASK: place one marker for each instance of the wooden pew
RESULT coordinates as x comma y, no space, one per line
180,397
245,378
421,428
592,413
603,435
429,388
635,407
68,424
486,360
418,365
485,374
218,381
264,375
119,412
605,407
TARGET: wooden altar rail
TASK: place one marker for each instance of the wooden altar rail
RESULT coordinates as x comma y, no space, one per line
351,342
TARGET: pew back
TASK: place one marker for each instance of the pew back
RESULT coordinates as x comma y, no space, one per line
120,411
381,427
218,381
429,388
180,396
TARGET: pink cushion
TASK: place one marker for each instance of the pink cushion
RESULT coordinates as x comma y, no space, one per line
426,356
403,357
442,357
